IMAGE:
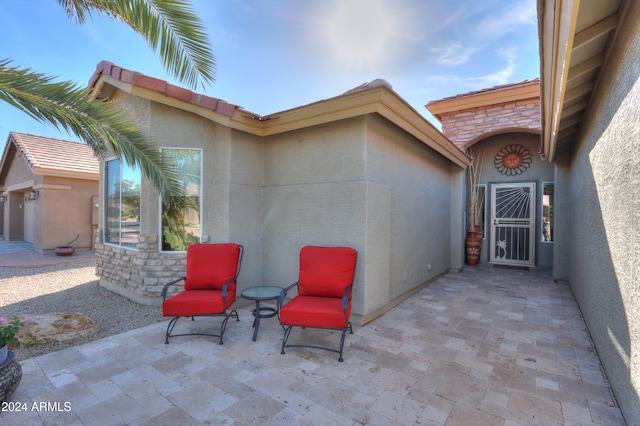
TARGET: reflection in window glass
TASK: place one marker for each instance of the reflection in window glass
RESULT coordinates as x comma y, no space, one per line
181,218
122,204
547,211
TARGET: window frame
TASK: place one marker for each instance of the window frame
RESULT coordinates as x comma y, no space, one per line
105,197
551,205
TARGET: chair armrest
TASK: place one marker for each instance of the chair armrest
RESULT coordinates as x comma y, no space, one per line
345,298
223,291
165,289
283,293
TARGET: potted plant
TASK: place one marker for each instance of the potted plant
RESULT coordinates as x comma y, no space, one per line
10,369
473,242
8,333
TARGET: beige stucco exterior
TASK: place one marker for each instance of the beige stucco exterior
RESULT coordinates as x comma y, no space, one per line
598,176
63,209
362,170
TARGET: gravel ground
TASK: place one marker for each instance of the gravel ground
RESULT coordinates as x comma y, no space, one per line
69,288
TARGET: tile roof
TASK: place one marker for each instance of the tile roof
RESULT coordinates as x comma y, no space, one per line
161,86
490,89
47,155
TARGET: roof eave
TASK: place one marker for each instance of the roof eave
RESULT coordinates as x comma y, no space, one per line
49,172
105,86
557,28
379,100
493,97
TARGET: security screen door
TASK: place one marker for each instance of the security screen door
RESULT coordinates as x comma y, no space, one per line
512,239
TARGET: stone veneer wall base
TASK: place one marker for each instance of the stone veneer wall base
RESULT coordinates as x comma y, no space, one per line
131,295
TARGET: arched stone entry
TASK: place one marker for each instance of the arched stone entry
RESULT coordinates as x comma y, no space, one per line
535,171
501,126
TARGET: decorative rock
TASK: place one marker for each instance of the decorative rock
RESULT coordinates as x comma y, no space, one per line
56,327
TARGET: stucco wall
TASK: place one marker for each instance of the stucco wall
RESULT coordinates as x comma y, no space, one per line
19,173
362,183
419,211
65,213
19,179
314,194
604,220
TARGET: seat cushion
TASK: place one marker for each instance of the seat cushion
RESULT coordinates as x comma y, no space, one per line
311,311
326,271
209,266
196,302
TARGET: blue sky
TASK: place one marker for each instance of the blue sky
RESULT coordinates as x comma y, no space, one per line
273,55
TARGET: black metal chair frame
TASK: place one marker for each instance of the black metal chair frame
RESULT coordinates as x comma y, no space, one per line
288,327
232,314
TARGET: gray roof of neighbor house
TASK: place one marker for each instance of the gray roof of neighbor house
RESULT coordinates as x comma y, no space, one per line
50,157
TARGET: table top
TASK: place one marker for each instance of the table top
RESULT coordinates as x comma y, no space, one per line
265,292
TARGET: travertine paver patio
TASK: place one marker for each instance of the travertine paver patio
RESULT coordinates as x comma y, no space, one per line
488,346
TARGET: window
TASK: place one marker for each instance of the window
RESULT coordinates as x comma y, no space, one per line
181,218
482,193
547,211
122,204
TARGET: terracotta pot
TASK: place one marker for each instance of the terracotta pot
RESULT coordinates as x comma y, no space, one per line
478,235
64,251
472,250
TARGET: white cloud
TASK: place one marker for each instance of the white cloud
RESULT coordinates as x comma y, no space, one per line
497,78
508,19
453,54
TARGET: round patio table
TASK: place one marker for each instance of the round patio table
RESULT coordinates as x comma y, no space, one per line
259,294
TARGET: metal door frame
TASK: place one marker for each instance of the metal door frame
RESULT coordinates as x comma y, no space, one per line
515,230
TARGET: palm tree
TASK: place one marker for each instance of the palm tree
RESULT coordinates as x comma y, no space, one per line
172,29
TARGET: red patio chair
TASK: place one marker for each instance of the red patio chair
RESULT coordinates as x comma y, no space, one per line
209,286
324,294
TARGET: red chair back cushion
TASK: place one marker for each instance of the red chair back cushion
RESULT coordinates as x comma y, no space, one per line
209,266
326,271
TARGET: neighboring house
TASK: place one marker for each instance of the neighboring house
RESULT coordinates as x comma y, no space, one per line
362,169
49,188
590,62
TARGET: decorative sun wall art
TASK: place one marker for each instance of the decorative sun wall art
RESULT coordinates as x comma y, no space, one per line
513,160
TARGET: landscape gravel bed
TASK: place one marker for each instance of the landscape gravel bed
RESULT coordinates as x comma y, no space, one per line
69,288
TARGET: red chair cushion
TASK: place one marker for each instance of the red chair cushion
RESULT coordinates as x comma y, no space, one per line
326,271
209,266
196,302
319,312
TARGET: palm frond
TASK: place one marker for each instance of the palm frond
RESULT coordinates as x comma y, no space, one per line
171,28
106,129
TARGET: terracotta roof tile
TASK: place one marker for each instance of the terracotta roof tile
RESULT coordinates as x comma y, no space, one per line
161,86
55,154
